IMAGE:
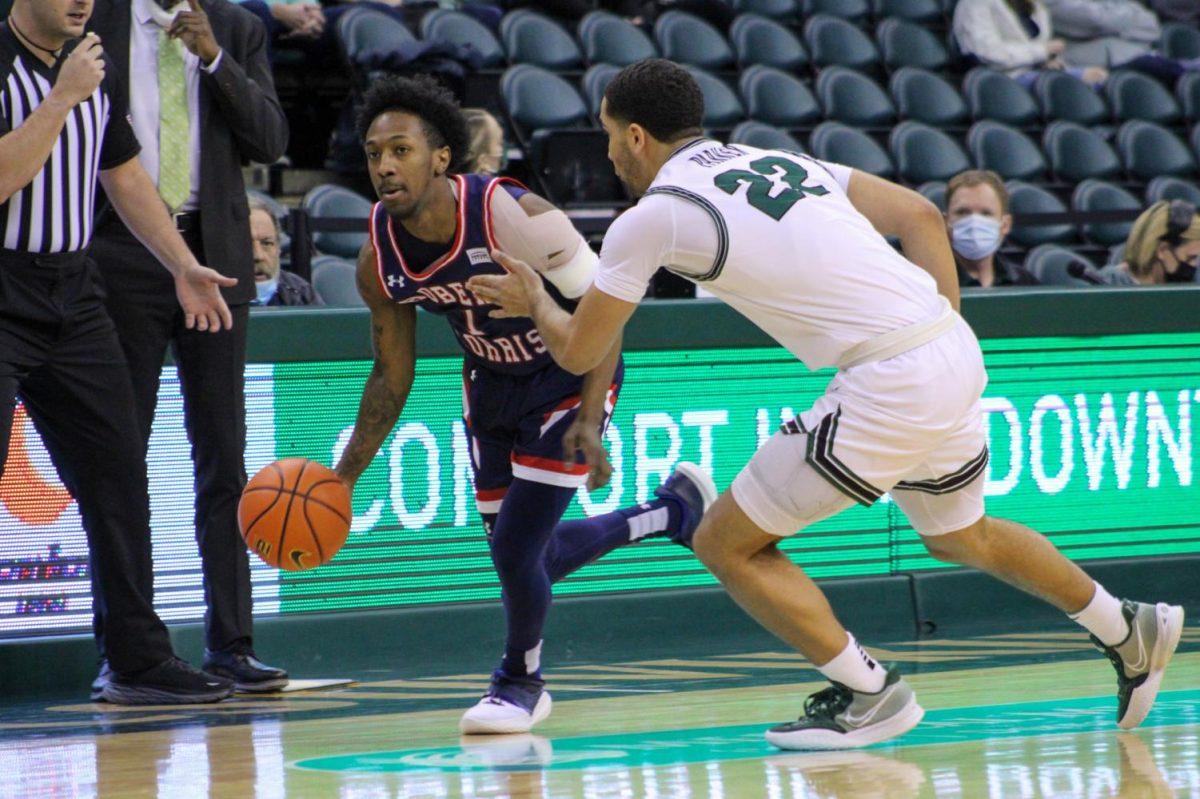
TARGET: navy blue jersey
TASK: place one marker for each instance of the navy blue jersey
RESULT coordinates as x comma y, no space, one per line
407,275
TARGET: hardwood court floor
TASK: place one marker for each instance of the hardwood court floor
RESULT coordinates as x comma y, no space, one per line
1008,716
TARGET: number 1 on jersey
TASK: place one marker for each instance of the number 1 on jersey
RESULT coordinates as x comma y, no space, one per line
775,185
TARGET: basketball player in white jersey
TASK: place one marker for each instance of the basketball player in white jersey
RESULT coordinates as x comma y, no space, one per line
798,246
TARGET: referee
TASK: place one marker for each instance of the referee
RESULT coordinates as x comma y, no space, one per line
61,128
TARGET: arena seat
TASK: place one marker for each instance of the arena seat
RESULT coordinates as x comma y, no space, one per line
765,137
593,84
690,40
530,38
1099,195
923,153
335,201
778,98
1025,198
1052,265
758,40
1077,153
833,141
833,41
1167,187
722,107
775,9
1150,151
455,27
1132,95
994,95
1006,151
854,99
907,44
1065,97
929,98
609,39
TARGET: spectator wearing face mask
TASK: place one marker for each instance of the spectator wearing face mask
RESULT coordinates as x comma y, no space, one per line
1163,247
274,286
978,220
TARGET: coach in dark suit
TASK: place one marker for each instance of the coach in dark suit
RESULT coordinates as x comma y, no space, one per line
202,102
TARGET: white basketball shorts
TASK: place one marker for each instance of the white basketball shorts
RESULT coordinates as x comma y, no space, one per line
910,425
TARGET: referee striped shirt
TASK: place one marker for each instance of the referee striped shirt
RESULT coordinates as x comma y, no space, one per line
54,212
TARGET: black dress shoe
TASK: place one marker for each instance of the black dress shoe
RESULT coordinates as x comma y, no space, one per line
172,682
245,671
102,679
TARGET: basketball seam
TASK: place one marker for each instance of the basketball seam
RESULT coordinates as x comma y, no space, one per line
312,531
288,512
320,502
258,518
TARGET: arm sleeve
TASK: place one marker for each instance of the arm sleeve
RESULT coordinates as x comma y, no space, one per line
635,246
120,144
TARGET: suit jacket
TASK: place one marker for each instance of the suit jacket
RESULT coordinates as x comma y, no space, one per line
240,120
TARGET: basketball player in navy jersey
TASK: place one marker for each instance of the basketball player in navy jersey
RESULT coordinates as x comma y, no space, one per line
534,429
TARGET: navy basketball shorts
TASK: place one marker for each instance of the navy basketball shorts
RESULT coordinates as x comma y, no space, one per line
515,426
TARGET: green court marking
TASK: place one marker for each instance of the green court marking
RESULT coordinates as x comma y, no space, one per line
709,744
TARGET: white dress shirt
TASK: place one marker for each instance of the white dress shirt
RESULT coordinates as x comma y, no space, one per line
148,19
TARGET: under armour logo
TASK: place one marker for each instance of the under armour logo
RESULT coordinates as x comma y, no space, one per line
394,281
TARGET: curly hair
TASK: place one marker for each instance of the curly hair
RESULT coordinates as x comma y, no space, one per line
426,99
659,95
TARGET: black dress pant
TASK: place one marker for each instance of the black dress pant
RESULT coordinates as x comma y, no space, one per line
59,354
142,303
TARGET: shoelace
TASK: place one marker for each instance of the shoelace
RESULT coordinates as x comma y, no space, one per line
826,704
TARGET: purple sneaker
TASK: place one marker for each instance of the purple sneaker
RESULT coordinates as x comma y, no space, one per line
693,492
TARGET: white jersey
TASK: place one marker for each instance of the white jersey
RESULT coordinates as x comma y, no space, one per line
774,235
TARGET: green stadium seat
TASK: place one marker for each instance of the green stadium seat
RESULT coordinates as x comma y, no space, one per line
854,99
609,39
1024,198
1076,153
722,107
1187,91
855,11
538,99
455,27
994,95
1132,95
1172,188
935,192
833,141
765,137
923,153
1006,151
335,201
363,30
1051,265
1063,96
690,40
775,9
1098,195
1150,150
533,39
907,44
925,12
758,40
594,82
335,282
835,42
778,98
929,98
1180,41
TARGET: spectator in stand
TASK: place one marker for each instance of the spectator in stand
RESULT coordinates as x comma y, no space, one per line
486,153
1104,32
275,286
1017,37
1178,10
978,220
307,25
1163,247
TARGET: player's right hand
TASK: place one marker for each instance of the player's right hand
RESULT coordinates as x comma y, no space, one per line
584,438
82,72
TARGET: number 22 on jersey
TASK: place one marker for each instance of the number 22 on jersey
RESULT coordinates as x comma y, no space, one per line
773,187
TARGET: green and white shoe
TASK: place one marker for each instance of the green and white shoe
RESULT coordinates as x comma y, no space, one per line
1142,657
841,718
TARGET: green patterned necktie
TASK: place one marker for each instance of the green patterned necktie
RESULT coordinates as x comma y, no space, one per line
174,133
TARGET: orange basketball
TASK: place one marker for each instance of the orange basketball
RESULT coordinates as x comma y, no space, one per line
295,514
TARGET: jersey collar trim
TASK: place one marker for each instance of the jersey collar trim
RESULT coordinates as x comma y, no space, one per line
460,236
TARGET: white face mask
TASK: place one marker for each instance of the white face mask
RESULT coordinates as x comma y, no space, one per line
975,237
266,290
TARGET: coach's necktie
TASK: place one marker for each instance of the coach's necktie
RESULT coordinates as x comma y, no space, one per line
174,139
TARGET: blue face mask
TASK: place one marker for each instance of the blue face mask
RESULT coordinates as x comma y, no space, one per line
975,237
266,290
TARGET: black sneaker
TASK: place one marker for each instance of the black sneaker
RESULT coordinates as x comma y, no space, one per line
172,682
102,679
1142,657
245,671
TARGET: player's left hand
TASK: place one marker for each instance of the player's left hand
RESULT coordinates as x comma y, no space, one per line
199,291
584,437
516,293
193,29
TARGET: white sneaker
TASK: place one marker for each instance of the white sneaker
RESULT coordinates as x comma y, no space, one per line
1142,657
497,716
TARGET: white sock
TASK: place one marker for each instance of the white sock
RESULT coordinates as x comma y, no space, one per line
856,669
651,520
1102,618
